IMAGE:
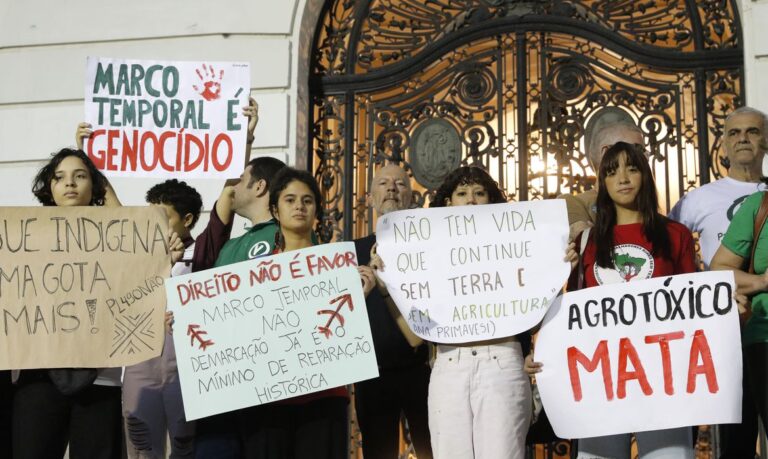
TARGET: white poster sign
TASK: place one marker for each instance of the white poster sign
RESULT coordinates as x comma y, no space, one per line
645,355
269,329
472,273
167,119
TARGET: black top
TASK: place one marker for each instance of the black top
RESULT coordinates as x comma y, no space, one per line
392,349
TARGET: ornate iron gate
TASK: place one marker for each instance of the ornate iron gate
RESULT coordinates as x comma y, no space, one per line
512,85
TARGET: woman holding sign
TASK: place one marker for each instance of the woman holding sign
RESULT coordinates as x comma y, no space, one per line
76,407
479,396
630,241
312,426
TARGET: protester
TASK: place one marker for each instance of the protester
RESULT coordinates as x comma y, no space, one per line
312,426
631,241
581,207
479,398
707,211
152,403
219,436
45,420
401,388
740,248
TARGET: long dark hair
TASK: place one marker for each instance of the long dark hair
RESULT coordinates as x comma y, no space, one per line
468,175
41,185
654,224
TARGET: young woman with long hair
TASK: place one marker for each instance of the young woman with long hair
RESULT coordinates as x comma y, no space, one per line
479,396
631,241
312,426
46,417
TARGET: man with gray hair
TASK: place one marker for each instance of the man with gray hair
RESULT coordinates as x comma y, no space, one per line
402,386
708,210
611,125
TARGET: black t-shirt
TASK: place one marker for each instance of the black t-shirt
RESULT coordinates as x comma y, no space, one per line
392,349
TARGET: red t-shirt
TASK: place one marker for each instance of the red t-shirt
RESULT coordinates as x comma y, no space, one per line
633,257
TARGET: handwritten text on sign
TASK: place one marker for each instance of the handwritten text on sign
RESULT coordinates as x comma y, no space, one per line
81,286
166,119
470,273
270,329
666,350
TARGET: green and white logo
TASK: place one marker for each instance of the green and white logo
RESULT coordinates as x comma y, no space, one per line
630,262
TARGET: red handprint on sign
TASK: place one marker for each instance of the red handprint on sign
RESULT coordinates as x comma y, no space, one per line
211,88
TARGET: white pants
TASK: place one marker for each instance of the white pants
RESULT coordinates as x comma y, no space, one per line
655,444
479,402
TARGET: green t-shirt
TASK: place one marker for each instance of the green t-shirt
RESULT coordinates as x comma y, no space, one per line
259,241
738,239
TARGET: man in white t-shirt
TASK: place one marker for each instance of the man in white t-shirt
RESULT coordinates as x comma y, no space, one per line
708,210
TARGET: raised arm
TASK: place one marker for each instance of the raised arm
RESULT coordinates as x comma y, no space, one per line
224,203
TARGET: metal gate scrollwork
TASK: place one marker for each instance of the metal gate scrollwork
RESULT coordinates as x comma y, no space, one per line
513,86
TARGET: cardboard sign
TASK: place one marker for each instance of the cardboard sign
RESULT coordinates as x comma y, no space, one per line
81,286
645,355
472,273
167,119
270,329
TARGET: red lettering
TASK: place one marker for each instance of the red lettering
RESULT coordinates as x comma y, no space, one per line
129,152
184,299
111,150
160,155
627,352
700,347
600,357
219,166
148,136
96,157
666,365
189,140
351,258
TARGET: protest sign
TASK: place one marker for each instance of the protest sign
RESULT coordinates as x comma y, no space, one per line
471,273
270,329
643,355
167,119
81,286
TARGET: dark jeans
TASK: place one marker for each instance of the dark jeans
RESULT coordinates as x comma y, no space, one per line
379,403
312,430
45,421
6,413
756,358
738,440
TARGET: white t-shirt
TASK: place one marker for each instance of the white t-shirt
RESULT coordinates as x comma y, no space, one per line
708,210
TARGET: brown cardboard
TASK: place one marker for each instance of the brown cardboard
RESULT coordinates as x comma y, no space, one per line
81,286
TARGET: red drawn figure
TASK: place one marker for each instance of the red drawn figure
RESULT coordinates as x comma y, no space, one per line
194,334
345,299
211,89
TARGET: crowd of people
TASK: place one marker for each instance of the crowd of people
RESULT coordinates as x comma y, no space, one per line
466,401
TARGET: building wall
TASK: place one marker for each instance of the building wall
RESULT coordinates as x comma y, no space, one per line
754,19
44,43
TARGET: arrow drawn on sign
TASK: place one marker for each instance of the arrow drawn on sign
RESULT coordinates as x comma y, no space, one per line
345,299
194,334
